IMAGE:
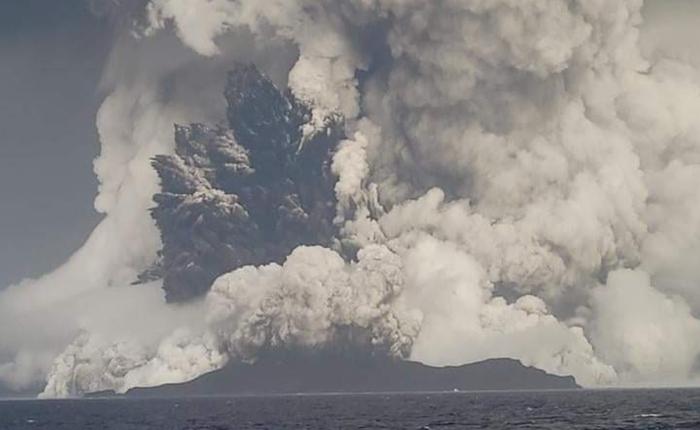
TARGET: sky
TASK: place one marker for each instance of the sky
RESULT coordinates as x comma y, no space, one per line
52,57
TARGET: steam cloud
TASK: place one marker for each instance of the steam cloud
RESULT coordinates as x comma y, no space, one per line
519,180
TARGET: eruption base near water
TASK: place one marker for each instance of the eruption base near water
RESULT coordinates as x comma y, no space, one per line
444,181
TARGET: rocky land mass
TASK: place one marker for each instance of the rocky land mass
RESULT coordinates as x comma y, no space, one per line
308,374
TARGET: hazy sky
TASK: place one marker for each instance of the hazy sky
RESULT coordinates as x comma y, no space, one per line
52,54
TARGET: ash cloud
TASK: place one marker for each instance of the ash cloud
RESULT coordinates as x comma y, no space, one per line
514,179
247,195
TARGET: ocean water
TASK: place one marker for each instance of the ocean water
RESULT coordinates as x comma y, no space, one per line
624,409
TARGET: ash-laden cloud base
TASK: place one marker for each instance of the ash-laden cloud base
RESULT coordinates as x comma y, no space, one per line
519,180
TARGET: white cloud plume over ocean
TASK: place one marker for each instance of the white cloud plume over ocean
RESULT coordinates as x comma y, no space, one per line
520,181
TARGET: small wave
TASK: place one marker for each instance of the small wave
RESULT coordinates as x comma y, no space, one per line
649,416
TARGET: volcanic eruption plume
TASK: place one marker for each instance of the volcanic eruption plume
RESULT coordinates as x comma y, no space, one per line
442,181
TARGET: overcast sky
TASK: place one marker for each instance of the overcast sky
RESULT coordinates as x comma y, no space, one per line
51,59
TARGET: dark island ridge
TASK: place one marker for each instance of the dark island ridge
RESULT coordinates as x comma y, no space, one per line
304,374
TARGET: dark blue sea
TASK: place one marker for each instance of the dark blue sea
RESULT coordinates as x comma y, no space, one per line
624,409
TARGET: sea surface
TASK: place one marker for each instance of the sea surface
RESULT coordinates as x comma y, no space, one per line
583,409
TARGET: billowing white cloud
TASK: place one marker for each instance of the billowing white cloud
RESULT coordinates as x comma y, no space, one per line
310,298
645,334
519,179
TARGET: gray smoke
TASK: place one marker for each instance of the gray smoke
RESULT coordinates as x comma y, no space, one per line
519,181
245,195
